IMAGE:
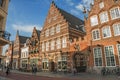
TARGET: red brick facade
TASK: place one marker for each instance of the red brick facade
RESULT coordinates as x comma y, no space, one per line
103,42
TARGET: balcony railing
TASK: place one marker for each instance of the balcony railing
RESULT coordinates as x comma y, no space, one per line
5,35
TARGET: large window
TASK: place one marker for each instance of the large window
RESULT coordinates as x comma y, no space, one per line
94,20
47,33
106,32
57,28
116,28
97,56
47,46
43,47
64,42
104,17
62,63
52,31
58,43
109,54
45,64
96,34
52,44
118,46
115,13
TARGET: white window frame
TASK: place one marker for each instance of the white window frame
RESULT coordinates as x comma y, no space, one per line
94,20
116,28
98,56
47,46
43,47
58,28
95,35
104,17
52,31
58,44
109,54
118,51
114,16
52,44
64,42
101,5
106,32
47,33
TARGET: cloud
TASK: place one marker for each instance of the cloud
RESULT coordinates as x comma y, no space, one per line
79,7
25,28
84,3
70,2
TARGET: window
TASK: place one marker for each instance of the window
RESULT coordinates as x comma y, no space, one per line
115,13
104,17
101,5
45,64
116,28
43,47
62,63
57,28
64,42
52,44
58,44
96,34
47,46
106,32
97,56
47,33
109,54
94,20
52,31
118,46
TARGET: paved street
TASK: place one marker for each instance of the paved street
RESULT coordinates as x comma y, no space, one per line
16,75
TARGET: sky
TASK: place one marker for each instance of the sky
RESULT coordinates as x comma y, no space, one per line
23,15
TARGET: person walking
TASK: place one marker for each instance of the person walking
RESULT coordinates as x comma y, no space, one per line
7,70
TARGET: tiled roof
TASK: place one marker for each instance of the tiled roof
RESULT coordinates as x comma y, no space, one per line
23,39
73,21
38,33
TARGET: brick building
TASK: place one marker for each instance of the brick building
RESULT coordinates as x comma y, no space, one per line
103,34
4,36
18,44
34,53
59,29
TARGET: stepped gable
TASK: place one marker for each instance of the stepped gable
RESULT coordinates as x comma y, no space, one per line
38,33
73,21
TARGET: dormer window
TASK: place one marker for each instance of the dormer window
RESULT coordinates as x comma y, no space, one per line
101,5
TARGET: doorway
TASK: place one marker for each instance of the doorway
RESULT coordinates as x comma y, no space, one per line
79,62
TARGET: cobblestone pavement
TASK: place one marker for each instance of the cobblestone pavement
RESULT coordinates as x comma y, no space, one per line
16,75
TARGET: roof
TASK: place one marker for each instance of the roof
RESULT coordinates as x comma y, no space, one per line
38,33
73,21
23,39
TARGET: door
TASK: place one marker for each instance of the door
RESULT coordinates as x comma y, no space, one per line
79,62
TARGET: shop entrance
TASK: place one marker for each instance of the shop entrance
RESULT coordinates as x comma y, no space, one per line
52,66
79,62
